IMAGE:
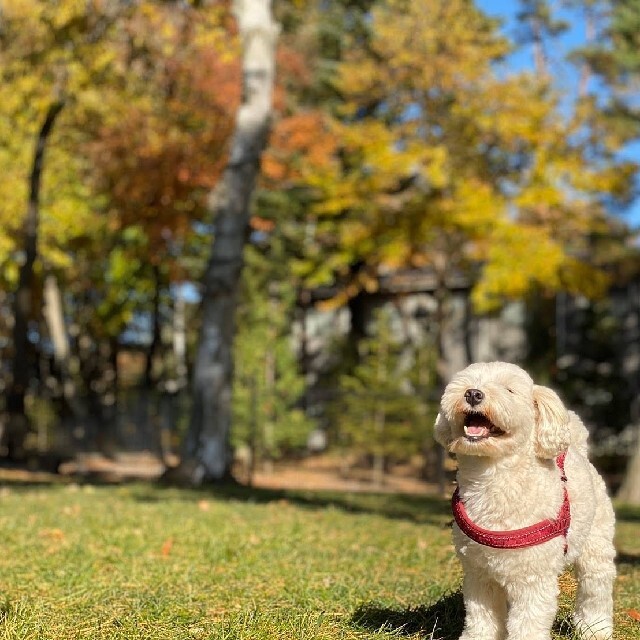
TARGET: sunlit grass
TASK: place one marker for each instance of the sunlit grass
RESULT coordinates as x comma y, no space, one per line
138,561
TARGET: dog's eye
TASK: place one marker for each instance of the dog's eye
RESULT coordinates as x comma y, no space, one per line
510,390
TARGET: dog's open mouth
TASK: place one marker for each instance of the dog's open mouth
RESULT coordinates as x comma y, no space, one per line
478,427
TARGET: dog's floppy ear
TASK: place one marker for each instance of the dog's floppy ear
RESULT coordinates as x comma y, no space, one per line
552,435
442,430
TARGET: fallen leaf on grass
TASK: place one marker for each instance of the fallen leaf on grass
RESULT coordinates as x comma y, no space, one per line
54,539
203,505
166,547
52,534
635,614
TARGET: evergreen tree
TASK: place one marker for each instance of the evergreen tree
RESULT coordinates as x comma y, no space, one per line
267,385
382,410
624,31
614,55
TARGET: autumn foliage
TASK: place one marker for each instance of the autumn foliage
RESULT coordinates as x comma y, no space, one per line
158,154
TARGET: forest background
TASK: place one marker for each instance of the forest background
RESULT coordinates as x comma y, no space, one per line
157,292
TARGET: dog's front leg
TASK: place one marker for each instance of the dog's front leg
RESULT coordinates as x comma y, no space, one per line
532,607
485,605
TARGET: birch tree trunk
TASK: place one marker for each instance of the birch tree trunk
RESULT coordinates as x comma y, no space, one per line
180,339
156,332
206,451
54,317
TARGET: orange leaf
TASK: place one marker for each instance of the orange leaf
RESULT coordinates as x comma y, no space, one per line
634,613
52,534
262,224
166,547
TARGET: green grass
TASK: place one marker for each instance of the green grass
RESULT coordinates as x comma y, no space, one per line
138,561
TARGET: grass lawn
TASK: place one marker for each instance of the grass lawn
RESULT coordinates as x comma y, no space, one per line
139,561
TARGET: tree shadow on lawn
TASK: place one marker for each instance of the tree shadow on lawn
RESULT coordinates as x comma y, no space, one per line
421,509
443,620
627,513
627,558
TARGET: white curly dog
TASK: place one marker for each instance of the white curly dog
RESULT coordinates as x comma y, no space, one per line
528,503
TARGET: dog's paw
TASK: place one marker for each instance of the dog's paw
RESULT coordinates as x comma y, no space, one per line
593,629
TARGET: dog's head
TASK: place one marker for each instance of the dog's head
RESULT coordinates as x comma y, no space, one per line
494,409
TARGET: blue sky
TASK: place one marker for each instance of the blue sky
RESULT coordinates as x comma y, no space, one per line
506,10
564,72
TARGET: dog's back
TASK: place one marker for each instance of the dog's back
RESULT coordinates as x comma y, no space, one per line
579,434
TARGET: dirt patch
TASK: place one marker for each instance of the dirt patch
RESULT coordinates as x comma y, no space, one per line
330,474
319,473
141,465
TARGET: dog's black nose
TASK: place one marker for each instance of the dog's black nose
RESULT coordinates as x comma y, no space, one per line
473,396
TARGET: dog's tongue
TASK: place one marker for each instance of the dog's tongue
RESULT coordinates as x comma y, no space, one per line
478,426
477,431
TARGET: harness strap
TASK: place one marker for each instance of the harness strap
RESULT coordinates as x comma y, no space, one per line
517,538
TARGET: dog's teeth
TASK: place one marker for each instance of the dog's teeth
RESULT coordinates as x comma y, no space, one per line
476,431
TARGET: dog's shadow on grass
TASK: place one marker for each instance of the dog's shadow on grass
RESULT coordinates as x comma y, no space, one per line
443,620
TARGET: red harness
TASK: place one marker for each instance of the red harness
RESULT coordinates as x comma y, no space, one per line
518,538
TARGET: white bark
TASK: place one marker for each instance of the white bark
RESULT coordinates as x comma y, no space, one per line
180,338
206,453
54,317
630,490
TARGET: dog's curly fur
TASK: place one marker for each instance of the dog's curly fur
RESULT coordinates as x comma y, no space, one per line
508,479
